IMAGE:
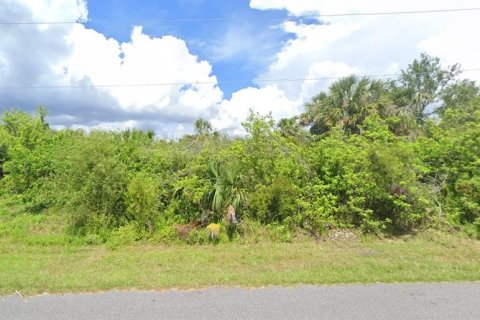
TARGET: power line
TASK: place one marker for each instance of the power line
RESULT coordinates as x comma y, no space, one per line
139,85
219,19
178,83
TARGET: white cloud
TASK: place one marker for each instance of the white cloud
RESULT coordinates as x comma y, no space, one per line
269,99
328,70
326,7
53,10
73,55
305,51
114,126
143,60
370,44
456,42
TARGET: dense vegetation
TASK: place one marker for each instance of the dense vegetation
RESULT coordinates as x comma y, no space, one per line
384,157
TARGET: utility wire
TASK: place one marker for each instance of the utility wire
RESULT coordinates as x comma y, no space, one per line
137,85
219,19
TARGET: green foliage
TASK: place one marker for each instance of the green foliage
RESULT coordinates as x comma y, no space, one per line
458,95
275,202
374,159
368,180
122,236
421,84
189,194
451,155
348,102
25,150
142,201
92,183
227,188
202,126
280,233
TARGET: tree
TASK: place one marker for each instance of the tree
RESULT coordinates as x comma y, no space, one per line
290,127
451,156
458,95
25,149
227,186
348,102
421,84
202,127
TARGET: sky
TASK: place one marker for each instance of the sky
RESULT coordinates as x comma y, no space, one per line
160,65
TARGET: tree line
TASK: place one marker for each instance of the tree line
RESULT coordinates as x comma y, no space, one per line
381,156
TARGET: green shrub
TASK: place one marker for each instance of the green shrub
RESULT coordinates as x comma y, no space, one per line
164,234
274,202
92,184
368,181
142,201
122,236
279,233
381,164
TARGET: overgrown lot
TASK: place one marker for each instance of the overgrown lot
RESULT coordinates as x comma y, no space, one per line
380,159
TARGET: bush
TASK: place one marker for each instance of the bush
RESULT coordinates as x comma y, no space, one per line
381,165
279,233
274,202
368,181
92,184
142,201
122,236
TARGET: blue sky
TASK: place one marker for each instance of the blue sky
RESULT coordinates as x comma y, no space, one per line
239,50
129,68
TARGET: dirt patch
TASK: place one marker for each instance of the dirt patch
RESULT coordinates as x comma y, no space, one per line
340,235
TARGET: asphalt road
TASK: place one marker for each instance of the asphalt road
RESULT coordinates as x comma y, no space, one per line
399,301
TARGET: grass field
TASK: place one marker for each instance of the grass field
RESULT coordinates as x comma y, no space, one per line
36,256
32,269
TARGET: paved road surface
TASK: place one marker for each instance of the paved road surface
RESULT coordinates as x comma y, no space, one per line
402,301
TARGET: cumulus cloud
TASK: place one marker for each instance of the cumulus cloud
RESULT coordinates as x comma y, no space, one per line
372,44
51,10
327,70
156,62
73,55
269,99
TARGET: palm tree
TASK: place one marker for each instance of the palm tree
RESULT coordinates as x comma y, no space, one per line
314,114
227,186
202,127
348,102
290,127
